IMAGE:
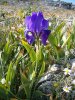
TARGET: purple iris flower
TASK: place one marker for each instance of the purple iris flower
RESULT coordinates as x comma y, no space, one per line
36,27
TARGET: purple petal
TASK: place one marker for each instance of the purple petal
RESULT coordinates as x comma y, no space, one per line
33,22
38,22
34,17
45,24
30,22
27,21
29,37
44,36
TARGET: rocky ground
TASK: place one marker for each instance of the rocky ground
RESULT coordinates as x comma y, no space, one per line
40,6
49,11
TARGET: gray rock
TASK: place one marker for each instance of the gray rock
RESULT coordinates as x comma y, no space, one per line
46,87
72,61
53,71
55,68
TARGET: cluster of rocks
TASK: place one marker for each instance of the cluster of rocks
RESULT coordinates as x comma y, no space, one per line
59,3
54,74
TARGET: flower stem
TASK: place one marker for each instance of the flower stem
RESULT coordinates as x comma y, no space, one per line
37,50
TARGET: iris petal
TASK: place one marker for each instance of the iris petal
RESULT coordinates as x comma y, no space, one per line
33,16
33,22
38,22
29,37
44,36
45,24
27,21
30,22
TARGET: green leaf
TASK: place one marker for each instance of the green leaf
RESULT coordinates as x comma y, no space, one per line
52,40
7,52
26,85
29,50
59,28
10,73
42,69
55,37
8,48
39,54
66,41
